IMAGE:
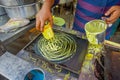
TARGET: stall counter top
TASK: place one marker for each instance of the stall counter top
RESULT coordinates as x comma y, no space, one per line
12,67
6,38
15,68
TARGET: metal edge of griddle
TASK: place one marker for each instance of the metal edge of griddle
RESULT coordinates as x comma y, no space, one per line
112,45
70,31
28,44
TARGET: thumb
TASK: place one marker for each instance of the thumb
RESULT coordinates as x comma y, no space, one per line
110,11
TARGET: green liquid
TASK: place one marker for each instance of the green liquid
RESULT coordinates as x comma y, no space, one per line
95,27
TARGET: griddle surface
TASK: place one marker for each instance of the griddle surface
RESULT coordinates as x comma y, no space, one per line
74,64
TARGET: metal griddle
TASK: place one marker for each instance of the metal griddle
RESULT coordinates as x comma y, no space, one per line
74,63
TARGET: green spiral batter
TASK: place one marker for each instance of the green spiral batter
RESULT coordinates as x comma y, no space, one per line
61,47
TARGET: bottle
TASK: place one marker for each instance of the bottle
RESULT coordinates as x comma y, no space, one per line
48,31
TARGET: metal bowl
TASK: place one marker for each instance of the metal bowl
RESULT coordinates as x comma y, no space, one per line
8,2
17,2
2,11
23,11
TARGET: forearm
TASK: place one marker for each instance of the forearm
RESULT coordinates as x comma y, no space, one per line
48,4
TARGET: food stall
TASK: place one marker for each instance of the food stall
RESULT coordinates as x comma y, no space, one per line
76,58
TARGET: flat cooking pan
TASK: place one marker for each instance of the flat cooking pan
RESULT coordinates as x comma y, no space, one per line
74,59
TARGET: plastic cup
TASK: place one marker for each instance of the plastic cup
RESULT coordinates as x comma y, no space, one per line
95,31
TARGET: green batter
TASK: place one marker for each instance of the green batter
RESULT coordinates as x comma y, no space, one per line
96,26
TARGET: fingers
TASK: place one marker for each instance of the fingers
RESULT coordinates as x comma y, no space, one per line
42,25
114,13
111,19
110,11
37,23
41,19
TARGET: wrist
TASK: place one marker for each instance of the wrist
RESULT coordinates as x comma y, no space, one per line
48,4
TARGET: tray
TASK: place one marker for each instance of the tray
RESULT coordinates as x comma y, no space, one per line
73,64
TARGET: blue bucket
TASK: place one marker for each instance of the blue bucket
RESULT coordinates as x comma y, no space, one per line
34,75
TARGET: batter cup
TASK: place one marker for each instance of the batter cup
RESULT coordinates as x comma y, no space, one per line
95,31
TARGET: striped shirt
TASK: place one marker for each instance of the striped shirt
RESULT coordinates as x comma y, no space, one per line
87,10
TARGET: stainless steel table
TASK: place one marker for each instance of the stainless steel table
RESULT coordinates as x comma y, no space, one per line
7,38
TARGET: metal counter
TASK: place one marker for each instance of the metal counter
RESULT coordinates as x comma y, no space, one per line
7,38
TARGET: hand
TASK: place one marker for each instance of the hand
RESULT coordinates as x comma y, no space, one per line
43,15
114,13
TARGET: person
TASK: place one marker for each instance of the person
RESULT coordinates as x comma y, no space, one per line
86,10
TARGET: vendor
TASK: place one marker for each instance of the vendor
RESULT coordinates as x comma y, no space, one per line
86,10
